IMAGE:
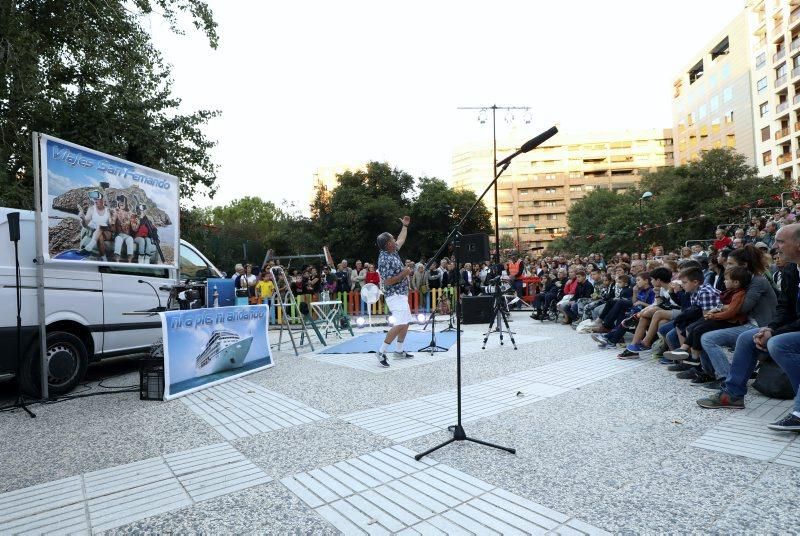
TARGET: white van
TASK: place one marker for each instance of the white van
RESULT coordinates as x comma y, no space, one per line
84,309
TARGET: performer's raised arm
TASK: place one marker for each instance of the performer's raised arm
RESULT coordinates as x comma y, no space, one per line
401,238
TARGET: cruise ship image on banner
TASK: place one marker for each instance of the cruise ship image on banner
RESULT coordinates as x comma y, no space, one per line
225,350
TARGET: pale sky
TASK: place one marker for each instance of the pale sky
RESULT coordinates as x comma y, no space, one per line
308,84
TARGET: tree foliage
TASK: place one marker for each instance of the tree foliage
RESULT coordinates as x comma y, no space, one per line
714,186
367,203
86,71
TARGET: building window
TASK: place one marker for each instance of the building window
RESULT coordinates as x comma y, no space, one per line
766,158
552,216
763,109
765,134
729,116
550,177
523,191
577,188
549,190
575,174
714,103
780,71
761,60
726,71
730,140
722,48
761,85
702,112
727,94
696,72
691,118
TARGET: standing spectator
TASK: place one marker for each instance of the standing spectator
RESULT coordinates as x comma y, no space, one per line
358,275
515,270
372,276
434,276
419,281
265,286
343,278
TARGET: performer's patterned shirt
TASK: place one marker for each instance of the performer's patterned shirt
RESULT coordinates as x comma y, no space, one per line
389,265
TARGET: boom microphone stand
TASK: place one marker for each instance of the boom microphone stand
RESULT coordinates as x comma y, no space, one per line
455,238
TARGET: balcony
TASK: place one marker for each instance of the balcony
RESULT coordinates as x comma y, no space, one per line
782,107
794,17
796,98
761,43
795,72
781,81
797,127
782,133
778,28
784,158
779,55
795,44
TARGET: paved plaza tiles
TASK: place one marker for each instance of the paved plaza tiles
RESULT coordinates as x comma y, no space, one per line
321,445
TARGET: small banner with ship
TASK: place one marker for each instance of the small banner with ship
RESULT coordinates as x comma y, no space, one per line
204,347
101,209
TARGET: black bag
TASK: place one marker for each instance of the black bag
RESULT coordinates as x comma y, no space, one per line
772,380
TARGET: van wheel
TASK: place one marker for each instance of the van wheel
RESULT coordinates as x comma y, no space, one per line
67,359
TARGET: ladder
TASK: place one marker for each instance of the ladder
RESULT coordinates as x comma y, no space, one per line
285,300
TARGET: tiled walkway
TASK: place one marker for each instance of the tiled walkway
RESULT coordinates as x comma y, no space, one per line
388,492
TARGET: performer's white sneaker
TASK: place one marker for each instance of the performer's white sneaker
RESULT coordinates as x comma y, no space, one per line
382,361
402,355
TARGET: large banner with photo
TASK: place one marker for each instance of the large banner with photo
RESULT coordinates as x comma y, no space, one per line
100,209
204,347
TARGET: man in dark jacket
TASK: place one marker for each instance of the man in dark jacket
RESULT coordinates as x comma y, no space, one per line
582,291
780,339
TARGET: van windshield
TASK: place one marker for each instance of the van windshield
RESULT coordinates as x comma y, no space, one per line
193,266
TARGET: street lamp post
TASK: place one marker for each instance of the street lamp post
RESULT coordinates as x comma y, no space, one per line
645,196
482,119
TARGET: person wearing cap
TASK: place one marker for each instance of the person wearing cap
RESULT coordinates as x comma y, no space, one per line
762,246
395,276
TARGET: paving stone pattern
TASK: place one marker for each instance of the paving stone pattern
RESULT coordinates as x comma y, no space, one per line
746,434
388,492
113,497
242,408
414,418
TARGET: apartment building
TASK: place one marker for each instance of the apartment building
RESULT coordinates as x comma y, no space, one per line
538,188
774,37
326,177
712,102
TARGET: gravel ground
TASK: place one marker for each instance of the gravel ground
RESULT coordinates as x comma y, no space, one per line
615,453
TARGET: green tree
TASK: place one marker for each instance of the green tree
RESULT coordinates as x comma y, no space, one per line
86,71
364,204
435,210
703,194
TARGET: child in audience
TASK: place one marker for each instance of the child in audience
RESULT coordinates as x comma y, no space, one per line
723,316
645,296
704,299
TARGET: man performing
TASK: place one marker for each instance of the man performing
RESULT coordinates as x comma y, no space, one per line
395,287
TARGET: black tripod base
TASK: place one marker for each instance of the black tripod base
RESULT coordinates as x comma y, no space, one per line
433,348
460,435
20,403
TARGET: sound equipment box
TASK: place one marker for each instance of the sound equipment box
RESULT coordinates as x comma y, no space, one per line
474,248
476,309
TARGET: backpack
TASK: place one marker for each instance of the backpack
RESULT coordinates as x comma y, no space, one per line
772,381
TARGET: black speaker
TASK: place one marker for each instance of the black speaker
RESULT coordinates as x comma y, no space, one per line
474,248
13,226
476,309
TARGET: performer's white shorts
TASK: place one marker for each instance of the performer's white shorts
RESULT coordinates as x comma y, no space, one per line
398,307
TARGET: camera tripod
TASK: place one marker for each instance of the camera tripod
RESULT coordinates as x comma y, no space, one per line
499,313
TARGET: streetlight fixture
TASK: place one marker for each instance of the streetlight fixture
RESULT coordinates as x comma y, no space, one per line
509,119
